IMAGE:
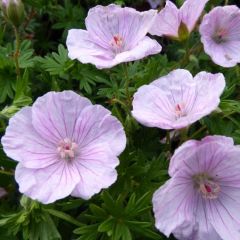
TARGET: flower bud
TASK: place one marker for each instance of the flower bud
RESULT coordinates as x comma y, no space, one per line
183,32
13,11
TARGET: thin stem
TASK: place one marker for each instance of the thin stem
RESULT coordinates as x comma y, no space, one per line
197,132
17,51
127,82
237,71
168,138
226,2
183,134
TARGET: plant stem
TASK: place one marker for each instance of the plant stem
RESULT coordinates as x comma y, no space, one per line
183,134
127,82
197,132
168,140
17,50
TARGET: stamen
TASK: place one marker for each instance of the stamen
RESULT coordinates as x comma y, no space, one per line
67,149
207,186
180,110
220,35
117,41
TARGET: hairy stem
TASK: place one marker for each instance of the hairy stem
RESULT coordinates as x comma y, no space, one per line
17,52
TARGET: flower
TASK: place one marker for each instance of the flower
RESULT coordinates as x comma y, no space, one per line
177,100
64,145
220,35
178,23
114,35
201,200
13,11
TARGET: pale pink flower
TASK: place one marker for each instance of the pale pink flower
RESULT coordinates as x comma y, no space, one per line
177,100
64,146
220,35
201,200
114,35
170,18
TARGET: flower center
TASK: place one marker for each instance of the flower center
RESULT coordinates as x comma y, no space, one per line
220,35
206,185
67,149
117,42
180,110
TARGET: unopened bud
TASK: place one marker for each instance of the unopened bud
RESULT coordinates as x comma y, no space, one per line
183,32
13,11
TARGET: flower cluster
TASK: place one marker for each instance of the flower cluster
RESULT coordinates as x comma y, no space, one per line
71,147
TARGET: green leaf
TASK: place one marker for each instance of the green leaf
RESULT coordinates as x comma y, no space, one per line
63,216
26,59
56,63
107,225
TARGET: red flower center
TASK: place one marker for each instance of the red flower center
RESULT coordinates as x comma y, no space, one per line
117,41
206,186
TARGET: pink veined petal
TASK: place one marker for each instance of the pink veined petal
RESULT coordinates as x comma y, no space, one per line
180,154
207,146
22,142
224,218
81,47
208,90
190,12
96,169
103,23
151,108
173,205
144,48
167,21
189,231
47,184
97,125
54,115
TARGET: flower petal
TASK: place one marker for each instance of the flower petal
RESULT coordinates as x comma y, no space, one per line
97,125
151,108
47,184
22,142
173,205
96,166
167,21
144,48
208,91
54,115
190,12
81,47
193,150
